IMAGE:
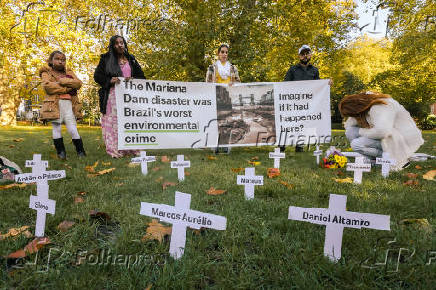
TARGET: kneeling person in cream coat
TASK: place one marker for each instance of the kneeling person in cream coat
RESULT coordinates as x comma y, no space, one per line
377,123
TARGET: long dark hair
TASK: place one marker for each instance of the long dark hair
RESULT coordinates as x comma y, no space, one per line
112,67
358,105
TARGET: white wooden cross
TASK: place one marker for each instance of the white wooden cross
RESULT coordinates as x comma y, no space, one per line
358,167
352,154
386,163
277,155
182,217
317,153
249,180
336,218
41,203
144,159
180,164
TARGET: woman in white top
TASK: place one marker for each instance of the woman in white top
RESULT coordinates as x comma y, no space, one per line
222,72
377,123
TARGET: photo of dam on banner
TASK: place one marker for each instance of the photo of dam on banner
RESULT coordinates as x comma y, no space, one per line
245,112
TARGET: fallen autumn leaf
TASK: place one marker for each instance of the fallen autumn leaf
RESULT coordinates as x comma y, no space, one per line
31,248
343,180
213,191
101,172
90,168
167,184
273,172
156,231
65,225
429,175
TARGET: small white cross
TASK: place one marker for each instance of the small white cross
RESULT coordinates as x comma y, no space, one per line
182,217
249,180
358,167
386,163
352,154
336,218
144,159
277,155
317,153
180,164
41,203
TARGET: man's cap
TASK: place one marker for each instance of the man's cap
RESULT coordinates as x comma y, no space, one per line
304,47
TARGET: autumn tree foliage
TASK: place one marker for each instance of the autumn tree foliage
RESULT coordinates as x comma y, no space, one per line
177,40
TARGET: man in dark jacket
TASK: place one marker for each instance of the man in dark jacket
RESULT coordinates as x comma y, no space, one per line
302,71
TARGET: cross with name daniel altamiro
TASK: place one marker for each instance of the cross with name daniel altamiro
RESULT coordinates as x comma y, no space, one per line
336,218
359,166
277,155
180,164
182,217
41,203
249,180
144,159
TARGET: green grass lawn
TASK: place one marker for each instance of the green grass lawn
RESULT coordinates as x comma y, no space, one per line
261,248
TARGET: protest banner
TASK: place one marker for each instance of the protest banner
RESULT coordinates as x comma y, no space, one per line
165,114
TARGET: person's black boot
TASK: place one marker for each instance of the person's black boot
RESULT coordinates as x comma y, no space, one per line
79,147
60,148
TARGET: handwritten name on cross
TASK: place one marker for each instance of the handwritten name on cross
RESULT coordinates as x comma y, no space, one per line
249,180
276,155
182,217
41,203
180,164
336,218
144,160
385,163
358,167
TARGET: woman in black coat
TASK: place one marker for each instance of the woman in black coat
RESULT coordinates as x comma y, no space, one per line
117,62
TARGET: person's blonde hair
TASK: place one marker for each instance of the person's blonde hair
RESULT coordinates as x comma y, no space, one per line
358,105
